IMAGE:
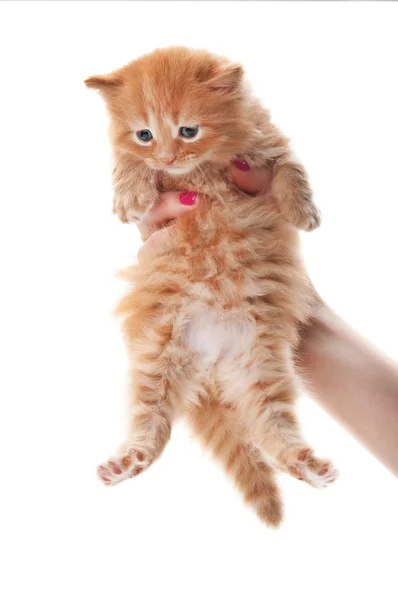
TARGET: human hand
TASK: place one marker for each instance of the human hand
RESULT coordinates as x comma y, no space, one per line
172,205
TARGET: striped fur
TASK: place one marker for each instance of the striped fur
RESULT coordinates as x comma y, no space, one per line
212,321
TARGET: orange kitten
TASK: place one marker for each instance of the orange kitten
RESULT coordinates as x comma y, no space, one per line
213,319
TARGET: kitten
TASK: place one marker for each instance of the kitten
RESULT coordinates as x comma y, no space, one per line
212,321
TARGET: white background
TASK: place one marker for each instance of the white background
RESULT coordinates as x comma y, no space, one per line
329,74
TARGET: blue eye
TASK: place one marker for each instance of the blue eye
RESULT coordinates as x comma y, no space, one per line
144,135
188,132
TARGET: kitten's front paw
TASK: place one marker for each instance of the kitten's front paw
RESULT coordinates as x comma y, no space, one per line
119,210
293,194
310,218
132,209
131,206
304,465
130,464
302,213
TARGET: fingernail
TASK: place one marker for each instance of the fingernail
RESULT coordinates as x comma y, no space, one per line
241,164
188,198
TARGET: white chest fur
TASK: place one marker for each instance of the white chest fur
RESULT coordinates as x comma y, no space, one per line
215,334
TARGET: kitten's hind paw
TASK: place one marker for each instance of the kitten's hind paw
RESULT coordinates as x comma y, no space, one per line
314,471
132,463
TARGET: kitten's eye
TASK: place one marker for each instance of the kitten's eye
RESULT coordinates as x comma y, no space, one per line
188,132
144,135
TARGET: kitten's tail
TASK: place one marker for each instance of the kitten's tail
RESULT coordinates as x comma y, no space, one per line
214,424
256,481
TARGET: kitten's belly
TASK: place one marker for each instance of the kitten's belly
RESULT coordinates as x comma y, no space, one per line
214,334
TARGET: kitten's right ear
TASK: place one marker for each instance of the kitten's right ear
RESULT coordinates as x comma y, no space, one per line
227,78
107,85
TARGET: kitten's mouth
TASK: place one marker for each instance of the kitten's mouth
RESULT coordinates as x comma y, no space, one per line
179,170
174,169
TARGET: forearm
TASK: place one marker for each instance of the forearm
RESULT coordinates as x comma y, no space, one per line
354,382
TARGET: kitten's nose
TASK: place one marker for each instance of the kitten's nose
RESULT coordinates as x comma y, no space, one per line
167,159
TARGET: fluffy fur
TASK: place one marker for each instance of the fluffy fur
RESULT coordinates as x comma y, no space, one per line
212,320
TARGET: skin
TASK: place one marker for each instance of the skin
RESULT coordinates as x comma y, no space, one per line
353,381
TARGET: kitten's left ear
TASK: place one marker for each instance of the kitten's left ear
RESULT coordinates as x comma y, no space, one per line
228,78
108,85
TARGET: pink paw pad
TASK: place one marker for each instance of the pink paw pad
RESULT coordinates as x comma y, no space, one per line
117,470
129,465
296,472
136,471
303,455
316,472
323,471
103,472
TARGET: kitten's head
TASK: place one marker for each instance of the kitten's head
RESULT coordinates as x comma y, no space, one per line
176,108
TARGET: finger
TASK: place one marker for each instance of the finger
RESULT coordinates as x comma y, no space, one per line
248,180
170,206
156,240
